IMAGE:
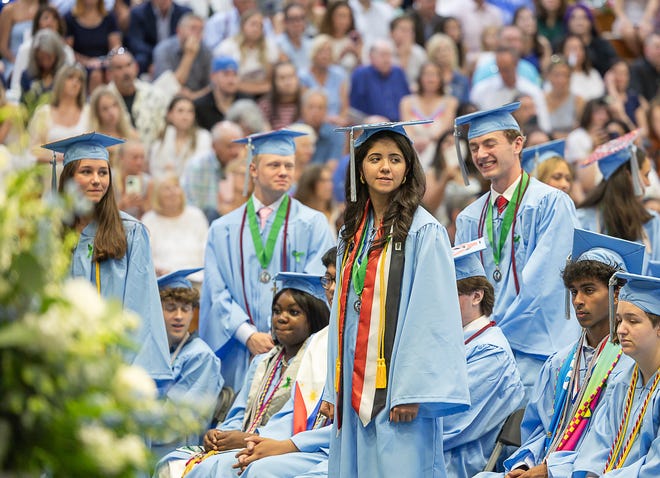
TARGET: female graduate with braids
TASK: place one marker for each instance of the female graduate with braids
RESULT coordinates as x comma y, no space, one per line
395,355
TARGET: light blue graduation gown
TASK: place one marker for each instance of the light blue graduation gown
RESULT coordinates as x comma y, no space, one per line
427,367
589,220
644,457
222,308
132,280
495,392
533,320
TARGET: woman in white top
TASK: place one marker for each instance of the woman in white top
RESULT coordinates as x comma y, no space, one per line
179,141
178,231
585,79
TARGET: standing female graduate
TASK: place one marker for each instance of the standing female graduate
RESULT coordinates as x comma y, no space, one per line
113,250
624,440
395,354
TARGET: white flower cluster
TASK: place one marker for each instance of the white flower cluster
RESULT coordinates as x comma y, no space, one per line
113,453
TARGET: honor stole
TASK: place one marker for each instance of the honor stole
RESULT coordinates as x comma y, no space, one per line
378,314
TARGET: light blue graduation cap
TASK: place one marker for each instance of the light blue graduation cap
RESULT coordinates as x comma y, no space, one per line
614,154
84,146
483,122
653,269
278,142
369,130
623,255
466,262
642,291
303,282
177,279
534,155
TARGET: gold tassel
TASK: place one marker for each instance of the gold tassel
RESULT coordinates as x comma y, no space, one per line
337,372
381,373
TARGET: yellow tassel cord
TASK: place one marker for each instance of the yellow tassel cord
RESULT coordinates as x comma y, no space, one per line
381,368
98,277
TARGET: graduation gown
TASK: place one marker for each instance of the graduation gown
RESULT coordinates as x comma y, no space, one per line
427,367
495,392
132,280
644,457
589,220
222,307
533,319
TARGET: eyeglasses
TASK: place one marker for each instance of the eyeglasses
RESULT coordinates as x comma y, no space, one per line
327,281
173,306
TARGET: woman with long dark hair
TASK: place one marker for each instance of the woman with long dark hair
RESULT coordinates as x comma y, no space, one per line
387,334
281,106
113,250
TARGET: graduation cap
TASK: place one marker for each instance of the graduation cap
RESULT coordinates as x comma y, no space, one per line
302,282
177,279
653,269
466,262
535,155
623,255
484,122
278,142
85,146
613,154
642,291
369,130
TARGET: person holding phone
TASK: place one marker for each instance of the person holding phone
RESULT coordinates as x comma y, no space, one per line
133,183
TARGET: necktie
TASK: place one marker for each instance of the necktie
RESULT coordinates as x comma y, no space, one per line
263,213
501,203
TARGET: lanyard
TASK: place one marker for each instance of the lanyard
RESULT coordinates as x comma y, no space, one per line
480,331
240,246
265,254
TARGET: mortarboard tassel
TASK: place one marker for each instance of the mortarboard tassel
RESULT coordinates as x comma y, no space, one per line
351,148
634,171
246,184
613,281
567,296
459,154
53,173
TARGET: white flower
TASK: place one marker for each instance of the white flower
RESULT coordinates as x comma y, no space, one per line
132,450
82,295
133,385
101,443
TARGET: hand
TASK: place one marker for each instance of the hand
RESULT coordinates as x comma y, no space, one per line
260,447
539,471
211,438
221,440
327,409
404,413
516,473
259,343
191,45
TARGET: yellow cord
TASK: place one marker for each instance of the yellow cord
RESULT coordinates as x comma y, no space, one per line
381,368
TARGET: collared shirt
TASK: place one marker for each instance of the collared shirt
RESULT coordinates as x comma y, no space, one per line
508,193
475,325
200,181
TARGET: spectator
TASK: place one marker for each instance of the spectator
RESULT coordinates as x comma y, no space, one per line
627,105
585,80
292,42
227,23
645,77
536,48
443,52
152,22
408,54
305,146
133,191
178,231
475,15
313,112
377,89
92,32
186,56
634,21
314,189
426,21
549,19
339,23
248,116
564,106
230,194
329,77
372,20
201,176
281,106
453,29
15,22
653,131
180,141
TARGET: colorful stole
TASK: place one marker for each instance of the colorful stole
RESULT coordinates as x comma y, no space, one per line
566,436
378,316
310,381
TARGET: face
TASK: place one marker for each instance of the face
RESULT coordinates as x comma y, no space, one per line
590,301
621,76
192,28
506,64
45,60
253,28
430,79
72,86
162,5
561,177
272,173
453,29
644,171
226,81
404,32
578,22
123,70
341,20
526,21
323,187
314,110
381,58
48,20
323,56
442,54
178,316
182,115
574,51
600,116
330,278
551,5
304,151
467,303
560,77
93,178
286,79
294,23
170,195
637,335
383,168
652,50
511,37
133,159
496,158
289,322
225,148
108,110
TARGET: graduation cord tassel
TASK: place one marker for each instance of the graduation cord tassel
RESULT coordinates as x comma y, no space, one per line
381,367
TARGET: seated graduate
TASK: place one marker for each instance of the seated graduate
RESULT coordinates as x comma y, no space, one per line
307,448
493,379
625,438
196,370
572,381
299,310
547,164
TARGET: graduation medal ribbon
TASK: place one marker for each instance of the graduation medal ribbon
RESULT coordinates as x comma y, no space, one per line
265,254
507,222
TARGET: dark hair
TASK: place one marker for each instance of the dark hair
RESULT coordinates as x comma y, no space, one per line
459,44
654,318
404,200
401,18
306,189
472,284
542,14
569,11
274,97
326,22
589,109
46,8
537,48
624,215
587,269
110,239
193,135
330,257
316,310
586,63
180,294
426,64
291,5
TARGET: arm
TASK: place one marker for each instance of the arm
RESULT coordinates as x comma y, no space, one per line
6,23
